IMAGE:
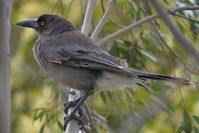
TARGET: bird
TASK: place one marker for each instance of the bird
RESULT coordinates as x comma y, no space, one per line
72,58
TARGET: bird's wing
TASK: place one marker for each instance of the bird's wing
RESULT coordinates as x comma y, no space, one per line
93,60
99,60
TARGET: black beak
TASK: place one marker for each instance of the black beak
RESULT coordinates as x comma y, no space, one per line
32,23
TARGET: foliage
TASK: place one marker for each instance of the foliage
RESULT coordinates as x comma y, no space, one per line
37,102
187,124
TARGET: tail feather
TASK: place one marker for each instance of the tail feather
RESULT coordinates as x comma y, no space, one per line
175,80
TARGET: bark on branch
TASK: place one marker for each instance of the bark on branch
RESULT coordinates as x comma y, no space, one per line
102,20
5,12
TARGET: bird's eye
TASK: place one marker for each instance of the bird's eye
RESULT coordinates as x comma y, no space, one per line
42,23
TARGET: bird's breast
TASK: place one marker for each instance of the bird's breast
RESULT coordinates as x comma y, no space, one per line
37,51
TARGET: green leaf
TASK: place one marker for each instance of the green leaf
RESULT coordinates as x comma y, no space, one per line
186,125
109,95
103,96
38,115
196,118
42,128
149,55
41,115
34,116
196,130
60,125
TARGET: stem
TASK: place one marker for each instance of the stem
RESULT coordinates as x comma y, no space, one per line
102,21
89,13
140,22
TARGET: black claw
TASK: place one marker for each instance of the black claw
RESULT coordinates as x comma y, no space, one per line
74,117
70,104
64,124
81,123
76,104
67,105
80,112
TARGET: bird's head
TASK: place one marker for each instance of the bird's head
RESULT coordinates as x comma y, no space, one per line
48,24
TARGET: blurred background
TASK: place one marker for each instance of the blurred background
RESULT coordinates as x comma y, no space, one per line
37,101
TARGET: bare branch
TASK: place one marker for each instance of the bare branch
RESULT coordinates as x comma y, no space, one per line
178,36
5,102
69,7
102,21
88,16
72,126
140,22
182,16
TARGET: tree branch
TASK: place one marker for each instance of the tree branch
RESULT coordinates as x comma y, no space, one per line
178,36
72,126
182,16
88,15
5,102
102,20
140,22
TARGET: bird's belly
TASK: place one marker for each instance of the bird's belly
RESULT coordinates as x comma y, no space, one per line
109,81
76,78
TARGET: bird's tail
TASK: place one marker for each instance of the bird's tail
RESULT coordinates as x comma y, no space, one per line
153,76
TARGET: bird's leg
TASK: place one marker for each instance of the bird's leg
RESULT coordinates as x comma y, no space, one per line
76,104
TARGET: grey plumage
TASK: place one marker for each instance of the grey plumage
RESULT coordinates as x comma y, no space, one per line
73,58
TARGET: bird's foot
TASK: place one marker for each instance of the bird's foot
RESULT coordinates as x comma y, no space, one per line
70,104
73,117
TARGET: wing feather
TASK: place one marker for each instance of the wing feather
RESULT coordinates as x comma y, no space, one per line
93,60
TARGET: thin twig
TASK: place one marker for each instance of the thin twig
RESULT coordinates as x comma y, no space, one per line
82,9
61,7
56,6
88,16
69,7
178,36
140,22
88,112
182,16
111,20
102,20
102,5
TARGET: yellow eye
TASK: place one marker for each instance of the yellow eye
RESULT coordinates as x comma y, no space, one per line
42,23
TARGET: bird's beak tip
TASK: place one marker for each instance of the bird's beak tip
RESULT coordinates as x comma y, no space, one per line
19,23
28,23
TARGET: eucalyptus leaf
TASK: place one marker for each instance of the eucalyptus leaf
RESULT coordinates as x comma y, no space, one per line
42,128
149,55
